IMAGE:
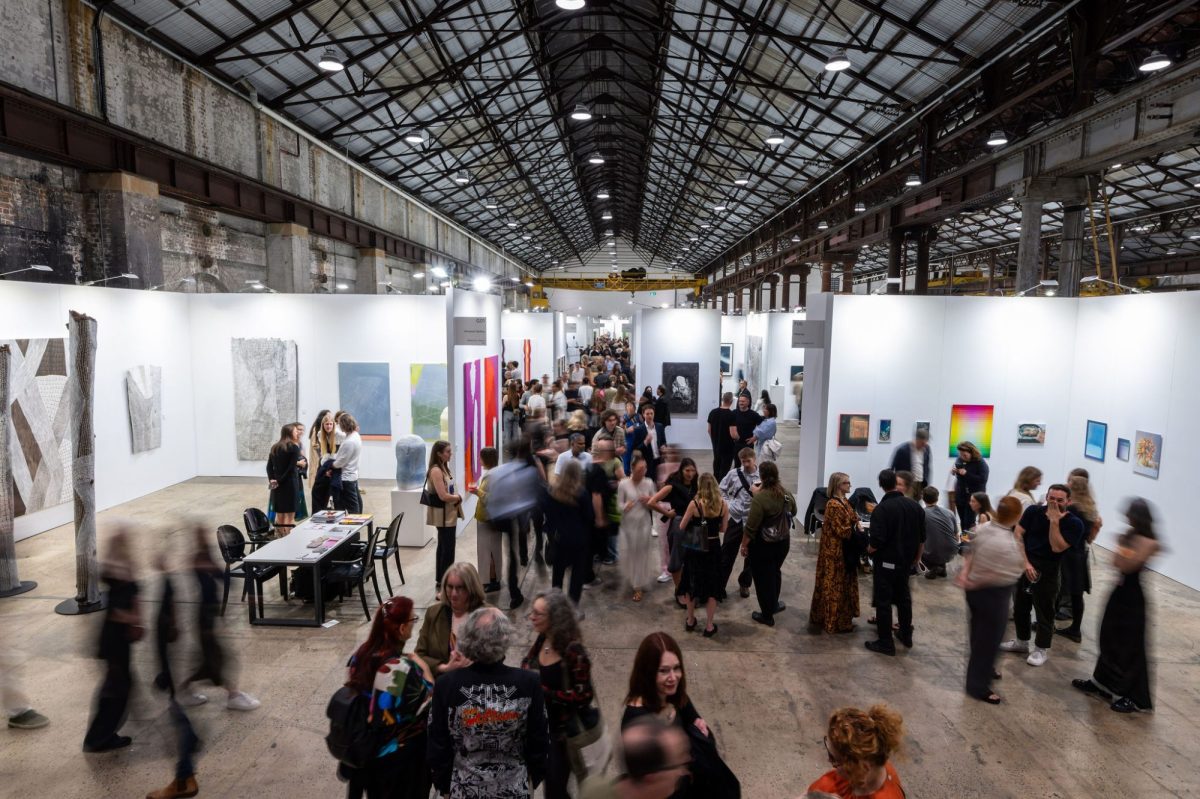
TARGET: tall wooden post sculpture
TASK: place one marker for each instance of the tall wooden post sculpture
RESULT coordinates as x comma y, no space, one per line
81,387
10,583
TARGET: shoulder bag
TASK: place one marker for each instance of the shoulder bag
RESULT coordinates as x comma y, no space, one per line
695,537
589,748
430,499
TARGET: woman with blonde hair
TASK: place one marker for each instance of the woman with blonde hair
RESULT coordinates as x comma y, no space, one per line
859,744
322,446
1028,479
1075,575
634,495
989,572
461,594
702,579
835,592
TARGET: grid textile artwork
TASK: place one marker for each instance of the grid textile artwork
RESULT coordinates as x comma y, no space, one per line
265,390
39,424
481,414
143,389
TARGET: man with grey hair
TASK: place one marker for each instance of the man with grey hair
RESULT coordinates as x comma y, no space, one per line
577,452
488,735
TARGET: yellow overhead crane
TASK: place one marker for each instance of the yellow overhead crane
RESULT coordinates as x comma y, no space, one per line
537,295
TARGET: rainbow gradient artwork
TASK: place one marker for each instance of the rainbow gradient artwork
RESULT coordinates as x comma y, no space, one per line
971,423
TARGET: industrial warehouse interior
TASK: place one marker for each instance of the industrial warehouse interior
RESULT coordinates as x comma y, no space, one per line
599,398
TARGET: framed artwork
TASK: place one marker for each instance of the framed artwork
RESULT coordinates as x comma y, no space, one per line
1122,449
885,431
754,354
1095,441
365,390
854,430
1031,433
428,399
265,393
971,423
1147,453
726,359
682,381
919,426
143,389
481,419
795,374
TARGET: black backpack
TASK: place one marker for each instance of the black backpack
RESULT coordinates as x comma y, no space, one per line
352,739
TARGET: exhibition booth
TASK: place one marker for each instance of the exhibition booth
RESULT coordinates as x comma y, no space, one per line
1106,383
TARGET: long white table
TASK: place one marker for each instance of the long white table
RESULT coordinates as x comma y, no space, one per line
294,550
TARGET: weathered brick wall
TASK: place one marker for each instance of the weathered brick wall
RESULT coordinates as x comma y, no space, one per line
42,219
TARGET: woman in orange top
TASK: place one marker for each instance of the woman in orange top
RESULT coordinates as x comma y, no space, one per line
859,744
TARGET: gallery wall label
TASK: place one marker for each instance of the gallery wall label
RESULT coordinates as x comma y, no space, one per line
470,330
807,333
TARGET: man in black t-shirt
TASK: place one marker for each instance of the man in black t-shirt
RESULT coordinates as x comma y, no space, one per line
1046,531
896,541
744,422
719,421
602,478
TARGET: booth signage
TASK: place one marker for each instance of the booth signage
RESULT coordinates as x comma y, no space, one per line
470,330
808,334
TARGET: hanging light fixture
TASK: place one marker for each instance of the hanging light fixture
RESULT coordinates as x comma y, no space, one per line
912,180
512,223
860,207
997,138
837,62
462,177
608,233
602,194
822,225
581,113
720,207
329,61
606,216
741,180
570,5
774,138
415,137
596,159
491,204
795,238
1154,62
527,236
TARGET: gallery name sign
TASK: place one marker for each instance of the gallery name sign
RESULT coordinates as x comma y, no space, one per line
808,334
470,330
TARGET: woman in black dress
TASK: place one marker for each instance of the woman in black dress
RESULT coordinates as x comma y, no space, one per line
678,492
284,465
122,627
1123,668
658,685
970,476
702,579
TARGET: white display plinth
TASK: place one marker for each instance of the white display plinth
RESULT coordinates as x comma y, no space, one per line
778,393
413,530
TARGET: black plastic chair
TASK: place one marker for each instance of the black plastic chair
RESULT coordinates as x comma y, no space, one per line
258,527
389,550
232,544
345,575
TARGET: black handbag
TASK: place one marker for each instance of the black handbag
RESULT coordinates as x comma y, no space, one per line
430,499
695,536
854,547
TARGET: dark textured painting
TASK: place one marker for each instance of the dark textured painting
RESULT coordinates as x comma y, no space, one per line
364,389
682,382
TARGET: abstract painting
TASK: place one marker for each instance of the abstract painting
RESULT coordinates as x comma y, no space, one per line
521,351
1031,433
365,390
1096,440
726,359
481,413
429,399
143,388
754,349
854,430
1122,449
265,393
682,381
885,431
971,423
795,373
1147,453
39,432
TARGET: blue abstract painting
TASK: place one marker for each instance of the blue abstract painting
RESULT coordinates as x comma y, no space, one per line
364,390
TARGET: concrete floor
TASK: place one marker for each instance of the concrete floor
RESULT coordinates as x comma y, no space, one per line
765,692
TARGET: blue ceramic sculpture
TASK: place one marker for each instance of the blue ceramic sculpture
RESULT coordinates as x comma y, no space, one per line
410,462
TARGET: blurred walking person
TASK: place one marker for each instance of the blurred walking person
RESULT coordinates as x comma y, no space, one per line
121,628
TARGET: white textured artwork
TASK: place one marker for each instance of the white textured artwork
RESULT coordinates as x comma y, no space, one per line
39,424
143,387
264,393
754,349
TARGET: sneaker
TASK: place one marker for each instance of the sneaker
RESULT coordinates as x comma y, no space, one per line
190,698
29,720
1126,705
1038,657
242,701
665,577
654,533
1015,645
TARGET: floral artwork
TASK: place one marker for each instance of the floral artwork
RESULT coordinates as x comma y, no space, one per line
1147,453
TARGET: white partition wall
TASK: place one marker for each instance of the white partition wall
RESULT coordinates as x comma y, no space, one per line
398,330
681,335
539,329
733,331
778,359
469,304
134,328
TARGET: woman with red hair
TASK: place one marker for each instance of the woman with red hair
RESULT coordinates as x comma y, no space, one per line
400,687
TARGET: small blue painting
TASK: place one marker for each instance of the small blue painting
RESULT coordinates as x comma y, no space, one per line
1095,441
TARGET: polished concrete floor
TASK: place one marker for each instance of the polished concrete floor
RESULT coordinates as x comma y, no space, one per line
765,692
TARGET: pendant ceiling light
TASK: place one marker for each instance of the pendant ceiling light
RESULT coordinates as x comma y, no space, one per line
570,5
490,204
581,113
1154,62
606,216
997,138
415,137
912,180
860,207
596,158
741,180
822,225
774,138
329,61
462,177
602,194
837,62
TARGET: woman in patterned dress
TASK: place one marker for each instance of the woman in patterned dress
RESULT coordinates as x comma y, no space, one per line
835,594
